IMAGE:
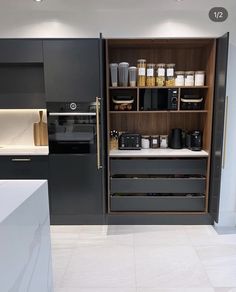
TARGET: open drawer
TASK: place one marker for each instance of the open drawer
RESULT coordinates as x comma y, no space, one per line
141,203
158,185
158,166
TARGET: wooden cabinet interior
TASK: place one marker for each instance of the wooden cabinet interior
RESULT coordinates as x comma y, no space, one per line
188,55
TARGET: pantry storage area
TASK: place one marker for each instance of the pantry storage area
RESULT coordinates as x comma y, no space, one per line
150,183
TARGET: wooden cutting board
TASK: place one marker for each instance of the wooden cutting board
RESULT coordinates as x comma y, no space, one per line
40,132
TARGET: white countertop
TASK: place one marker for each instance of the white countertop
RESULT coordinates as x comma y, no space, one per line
23,150
158,153
14,192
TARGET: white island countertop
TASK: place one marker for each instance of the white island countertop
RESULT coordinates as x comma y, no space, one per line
23,150
13,193
158,153
25,246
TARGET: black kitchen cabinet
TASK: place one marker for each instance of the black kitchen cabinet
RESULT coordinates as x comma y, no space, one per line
21,51
75,189
21,74
24,167
71,69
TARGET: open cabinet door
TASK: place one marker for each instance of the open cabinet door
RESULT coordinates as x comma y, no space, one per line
218,124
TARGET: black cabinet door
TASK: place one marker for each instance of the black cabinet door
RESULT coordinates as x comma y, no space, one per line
75,187
71,69
218,124
24,167
21,51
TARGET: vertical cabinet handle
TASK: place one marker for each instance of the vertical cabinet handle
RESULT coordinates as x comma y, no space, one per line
99,166
225,130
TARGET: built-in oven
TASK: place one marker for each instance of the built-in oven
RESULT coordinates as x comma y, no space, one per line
76,176
73,127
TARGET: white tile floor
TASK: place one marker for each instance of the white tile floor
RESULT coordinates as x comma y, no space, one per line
143,259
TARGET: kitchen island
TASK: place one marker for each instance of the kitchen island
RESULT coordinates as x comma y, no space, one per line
25,247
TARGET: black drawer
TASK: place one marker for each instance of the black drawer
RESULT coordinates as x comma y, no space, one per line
157,203
158,166
24,167
158,185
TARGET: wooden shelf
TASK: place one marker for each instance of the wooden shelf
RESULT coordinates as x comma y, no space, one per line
160,87
159,112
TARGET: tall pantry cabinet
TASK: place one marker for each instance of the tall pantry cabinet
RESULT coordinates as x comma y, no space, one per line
172,187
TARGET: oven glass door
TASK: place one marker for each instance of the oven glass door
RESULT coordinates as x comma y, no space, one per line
72,132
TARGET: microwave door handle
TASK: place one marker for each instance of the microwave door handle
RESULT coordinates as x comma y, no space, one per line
99,166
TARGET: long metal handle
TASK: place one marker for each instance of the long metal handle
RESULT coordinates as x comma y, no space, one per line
225,130
99,166
21,159
72,114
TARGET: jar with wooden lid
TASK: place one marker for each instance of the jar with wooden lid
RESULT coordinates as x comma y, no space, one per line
170,75
141,64
189,78
160,75
150,80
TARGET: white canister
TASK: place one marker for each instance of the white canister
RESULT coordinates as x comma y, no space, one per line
189,78
199,78
145,142
179,78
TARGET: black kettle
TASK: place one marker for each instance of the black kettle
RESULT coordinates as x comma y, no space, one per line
176,139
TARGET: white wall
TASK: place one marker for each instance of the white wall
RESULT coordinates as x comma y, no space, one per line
134,18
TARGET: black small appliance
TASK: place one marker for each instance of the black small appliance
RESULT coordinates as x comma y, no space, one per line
129,141
196,141
176,140
172,99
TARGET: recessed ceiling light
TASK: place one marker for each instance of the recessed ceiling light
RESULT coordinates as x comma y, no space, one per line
38,0
178,0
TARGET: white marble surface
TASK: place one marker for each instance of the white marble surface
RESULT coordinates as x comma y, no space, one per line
143,259
16,126
158,153
25,247
23,150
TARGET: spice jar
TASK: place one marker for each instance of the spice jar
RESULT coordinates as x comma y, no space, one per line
170,75
155,141
199,78
179,78
160,75
189,78
145,142
141,72
150,80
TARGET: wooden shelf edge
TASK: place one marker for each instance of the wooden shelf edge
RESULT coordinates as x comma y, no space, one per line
161,112
159,87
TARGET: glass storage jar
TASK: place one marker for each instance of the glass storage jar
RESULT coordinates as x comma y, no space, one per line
199,78
132,76
160,75
150,80
155,141
123,74
189,78
145,142
141,72
179,78
170,75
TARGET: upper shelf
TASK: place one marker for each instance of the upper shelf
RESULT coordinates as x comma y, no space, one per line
158,87
158,153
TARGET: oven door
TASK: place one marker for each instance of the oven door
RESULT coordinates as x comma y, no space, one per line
72,132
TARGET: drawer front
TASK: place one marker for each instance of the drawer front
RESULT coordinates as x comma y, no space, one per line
157,203
24,167
158,185
158,166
